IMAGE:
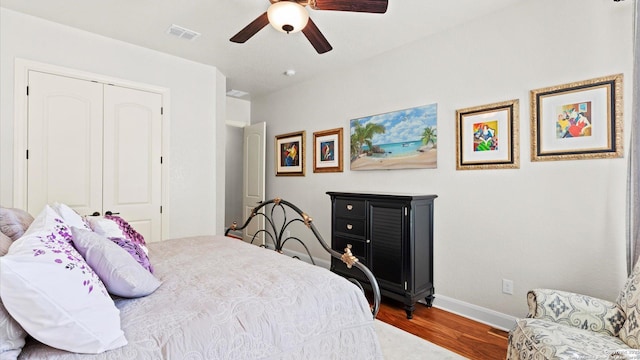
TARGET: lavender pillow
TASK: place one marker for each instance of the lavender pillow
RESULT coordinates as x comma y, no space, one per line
120,272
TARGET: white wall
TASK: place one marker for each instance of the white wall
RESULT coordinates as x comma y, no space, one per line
196,102
558,224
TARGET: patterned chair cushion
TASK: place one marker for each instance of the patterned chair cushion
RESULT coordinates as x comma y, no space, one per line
536,339
576,310
629,301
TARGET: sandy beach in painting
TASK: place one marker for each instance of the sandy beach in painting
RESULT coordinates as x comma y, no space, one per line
422,160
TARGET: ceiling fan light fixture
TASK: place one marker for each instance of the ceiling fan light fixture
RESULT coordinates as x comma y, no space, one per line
287,16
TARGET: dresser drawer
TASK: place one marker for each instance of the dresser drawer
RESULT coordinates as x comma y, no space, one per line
352,227
350,208
358,248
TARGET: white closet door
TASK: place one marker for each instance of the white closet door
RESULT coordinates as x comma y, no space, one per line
132,154
64,143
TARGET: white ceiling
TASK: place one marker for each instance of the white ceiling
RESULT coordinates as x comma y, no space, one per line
258,65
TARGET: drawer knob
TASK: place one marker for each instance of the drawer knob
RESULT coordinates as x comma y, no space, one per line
368,241
349,207
349,226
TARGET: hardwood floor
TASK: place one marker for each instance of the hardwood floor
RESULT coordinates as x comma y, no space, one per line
463,336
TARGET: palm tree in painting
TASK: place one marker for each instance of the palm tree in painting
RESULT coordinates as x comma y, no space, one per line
362,135
429,136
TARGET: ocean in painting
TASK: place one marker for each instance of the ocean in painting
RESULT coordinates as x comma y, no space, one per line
405,148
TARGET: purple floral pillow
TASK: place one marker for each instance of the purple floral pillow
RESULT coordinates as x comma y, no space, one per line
129,232
112,226
49,289
134,250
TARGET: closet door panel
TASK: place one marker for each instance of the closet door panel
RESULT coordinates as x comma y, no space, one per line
64,143
132,151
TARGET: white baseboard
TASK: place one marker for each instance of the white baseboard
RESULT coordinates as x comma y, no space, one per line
477,313
482,315
305,257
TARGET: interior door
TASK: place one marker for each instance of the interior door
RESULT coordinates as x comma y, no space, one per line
64,141
96,148
253,192
132,158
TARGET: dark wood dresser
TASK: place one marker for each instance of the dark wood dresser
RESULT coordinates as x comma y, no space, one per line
392,234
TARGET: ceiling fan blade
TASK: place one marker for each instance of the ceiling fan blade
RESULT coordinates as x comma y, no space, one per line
368,6
316,38
251,29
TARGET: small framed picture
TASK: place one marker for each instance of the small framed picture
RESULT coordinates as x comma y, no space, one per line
327,151
487,136
290,154
581,120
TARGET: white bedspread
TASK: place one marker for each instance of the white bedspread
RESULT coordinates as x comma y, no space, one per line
224,299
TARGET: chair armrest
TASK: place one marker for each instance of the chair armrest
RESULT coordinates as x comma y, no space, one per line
577,310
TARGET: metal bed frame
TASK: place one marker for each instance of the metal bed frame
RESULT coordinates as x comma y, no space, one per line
276,231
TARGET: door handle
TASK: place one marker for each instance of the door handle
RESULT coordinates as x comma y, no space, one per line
111,213
95,213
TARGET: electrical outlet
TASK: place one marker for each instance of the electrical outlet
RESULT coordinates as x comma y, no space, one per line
507,286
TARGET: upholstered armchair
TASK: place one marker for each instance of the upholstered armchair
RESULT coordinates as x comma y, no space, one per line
564,325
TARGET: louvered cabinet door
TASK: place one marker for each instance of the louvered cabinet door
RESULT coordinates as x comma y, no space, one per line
388,234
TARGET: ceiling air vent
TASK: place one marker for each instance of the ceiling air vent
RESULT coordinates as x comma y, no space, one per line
182,33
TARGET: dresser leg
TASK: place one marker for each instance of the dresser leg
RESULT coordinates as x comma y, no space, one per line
429,300
409,308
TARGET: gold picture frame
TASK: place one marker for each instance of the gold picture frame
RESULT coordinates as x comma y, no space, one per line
488,136
290,159
580,120
327,151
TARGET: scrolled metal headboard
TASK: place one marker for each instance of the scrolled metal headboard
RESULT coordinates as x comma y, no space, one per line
276,232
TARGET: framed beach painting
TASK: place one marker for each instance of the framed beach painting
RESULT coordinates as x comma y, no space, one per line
581,120
487,136
403,139
327,151
290,154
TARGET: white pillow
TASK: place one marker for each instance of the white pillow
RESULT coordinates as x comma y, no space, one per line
120,273
49,289
70,216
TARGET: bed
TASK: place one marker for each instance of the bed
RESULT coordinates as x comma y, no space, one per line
222,298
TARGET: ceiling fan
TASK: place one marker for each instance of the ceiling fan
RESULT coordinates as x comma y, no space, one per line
290,16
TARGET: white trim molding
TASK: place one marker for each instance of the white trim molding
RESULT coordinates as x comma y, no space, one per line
477,313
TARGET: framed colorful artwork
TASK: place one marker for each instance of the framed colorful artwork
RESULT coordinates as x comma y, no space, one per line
402,139
327,151
290,154
581,120
487,136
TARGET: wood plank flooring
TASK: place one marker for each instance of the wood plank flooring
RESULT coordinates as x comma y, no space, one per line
463,336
